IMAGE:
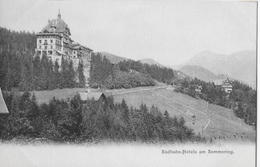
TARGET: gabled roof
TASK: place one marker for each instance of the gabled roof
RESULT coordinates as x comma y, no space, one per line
85,96
227,81
95,95
220,82
3,108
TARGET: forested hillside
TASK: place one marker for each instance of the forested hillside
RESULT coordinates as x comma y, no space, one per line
161,74
27,72
242,99
17,41
126,74
107,75
92,121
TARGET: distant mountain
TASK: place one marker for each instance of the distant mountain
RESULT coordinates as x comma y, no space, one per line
198,72
239,65
116,59
151,62
112,58
175,67
204,74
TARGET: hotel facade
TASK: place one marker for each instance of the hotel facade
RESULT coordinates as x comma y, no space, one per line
54,41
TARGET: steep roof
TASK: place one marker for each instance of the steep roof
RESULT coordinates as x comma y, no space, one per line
95,95
85,96
222,81
56,26
3,108
227,81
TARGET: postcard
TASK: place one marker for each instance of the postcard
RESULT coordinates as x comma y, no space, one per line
128,83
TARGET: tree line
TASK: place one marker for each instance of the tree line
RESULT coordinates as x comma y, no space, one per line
90,121
126,74
161,74
17,41
107,75
29,72
242,99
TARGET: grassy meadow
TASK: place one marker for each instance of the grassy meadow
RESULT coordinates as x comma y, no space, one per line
217,122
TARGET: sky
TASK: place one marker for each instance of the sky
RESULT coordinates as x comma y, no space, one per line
170,32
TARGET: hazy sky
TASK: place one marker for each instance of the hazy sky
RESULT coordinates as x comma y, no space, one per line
170,32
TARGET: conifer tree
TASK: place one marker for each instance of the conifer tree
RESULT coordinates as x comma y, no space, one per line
81,75
125,112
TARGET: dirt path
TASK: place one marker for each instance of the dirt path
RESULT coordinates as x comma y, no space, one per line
139,90
167,103
207,114
206,125
180,103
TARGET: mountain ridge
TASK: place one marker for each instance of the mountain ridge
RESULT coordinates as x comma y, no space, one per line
113,58
151,62
204,74
239,65
198,72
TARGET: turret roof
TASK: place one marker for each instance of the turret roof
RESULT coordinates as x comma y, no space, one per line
57,26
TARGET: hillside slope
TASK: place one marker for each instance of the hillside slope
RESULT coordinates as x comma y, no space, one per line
216,121
113,58
204,74
198,72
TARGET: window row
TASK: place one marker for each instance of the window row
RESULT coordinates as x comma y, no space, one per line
46,47
56,37
45,41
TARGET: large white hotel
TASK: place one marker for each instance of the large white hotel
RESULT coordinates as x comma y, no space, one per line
55,42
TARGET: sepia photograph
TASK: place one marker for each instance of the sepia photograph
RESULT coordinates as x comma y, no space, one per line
128,83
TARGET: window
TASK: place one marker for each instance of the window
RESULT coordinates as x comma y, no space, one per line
51,47
51,40
50,52
40,41
45,41
45,47
40,47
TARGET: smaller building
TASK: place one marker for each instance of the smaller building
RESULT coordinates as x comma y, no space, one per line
198,89
225,84
97,96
